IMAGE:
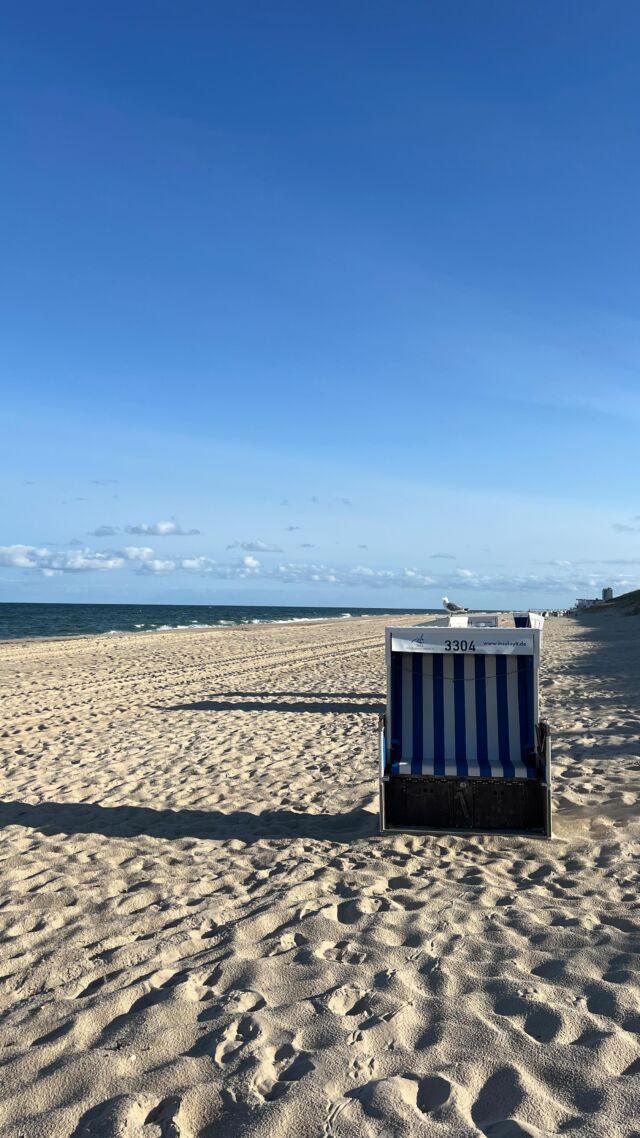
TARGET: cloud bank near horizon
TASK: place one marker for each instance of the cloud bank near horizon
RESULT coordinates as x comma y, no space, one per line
143,560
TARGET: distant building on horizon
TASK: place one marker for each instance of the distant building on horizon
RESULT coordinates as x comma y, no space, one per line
586,602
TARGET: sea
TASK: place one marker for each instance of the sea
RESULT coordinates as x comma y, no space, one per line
20,620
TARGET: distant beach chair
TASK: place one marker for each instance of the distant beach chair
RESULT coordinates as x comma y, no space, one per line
528,620
483,620
453,620
462,746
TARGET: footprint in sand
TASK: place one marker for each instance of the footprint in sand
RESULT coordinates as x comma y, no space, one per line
344,952
286,1066
243,1000
500,1097
543,1024
350,912
125,1114
286,943
602,1002
388,1098
362,1067
348,1001
235,1036
163,1116
540,1022
551,970
401,883
192,986
433,1092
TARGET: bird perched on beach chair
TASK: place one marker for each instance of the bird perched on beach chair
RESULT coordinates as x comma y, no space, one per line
451,606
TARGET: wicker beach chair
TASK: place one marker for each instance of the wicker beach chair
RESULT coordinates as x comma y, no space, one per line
451,620
462,746
483,620
528,620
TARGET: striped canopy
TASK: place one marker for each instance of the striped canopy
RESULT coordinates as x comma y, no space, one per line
470,716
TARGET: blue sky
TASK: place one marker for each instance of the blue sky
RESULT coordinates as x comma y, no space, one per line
355,282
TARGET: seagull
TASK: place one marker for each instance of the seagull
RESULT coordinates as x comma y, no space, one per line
451,606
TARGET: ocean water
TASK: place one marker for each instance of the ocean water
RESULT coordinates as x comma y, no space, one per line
26,620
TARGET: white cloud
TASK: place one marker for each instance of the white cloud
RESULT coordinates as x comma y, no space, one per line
68,561
157,565
161,529
80,560
136,553
75,560
465,573
246,567
198,564
255,547
21,556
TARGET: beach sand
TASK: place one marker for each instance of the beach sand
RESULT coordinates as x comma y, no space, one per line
202,933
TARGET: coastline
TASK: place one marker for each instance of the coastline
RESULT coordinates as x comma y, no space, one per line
222,626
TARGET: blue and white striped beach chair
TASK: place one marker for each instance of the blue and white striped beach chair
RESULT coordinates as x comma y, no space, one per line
461,744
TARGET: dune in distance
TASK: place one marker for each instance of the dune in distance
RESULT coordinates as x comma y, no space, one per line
202,933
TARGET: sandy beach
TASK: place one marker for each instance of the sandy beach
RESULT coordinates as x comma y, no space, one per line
202,933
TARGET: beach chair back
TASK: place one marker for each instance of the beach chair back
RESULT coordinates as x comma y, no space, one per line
462,743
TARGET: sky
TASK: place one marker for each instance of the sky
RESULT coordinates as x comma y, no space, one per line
322,303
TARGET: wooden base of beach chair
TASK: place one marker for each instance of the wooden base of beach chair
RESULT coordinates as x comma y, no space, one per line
489,805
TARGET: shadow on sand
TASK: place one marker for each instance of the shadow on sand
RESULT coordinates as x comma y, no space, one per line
317,707
326,695
614,656
132,821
